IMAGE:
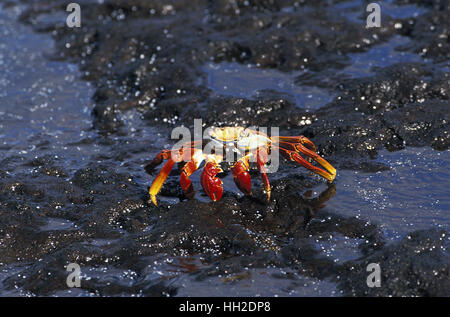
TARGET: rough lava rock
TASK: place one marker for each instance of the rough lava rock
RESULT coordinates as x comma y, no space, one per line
147,57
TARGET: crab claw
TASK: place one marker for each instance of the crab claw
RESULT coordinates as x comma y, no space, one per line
242,177
210,182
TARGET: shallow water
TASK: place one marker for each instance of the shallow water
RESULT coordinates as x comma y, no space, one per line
260,283
45,108
412,195
249,81
355,10
382,55
41,100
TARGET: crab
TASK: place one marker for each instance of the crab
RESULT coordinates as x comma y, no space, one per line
251,145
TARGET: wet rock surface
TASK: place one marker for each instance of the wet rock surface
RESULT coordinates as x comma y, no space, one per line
411,263
145,58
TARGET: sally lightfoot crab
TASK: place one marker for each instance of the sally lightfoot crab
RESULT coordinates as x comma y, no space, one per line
250,145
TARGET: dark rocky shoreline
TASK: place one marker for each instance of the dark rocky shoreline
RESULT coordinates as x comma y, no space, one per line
146,56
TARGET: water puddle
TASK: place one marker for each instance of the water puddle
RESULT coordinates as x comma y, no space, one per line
364,64
41,100
45,107
355,11
54,224
249,81
412,195
403,11
271,282
382,55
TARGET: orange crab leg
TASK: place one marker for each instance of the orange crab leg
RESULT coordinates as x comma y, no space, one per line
166,154
163,155
329,174
187,170
173,156
242,176
295,139
160,179
186,183
331,171
261,160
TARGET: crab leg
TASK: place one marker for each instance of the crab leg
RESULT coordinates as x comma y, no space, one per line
261,160
187,170
172,156
160,179
185,182
166,154
163,155
241,175
295,139
329,173
211,184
